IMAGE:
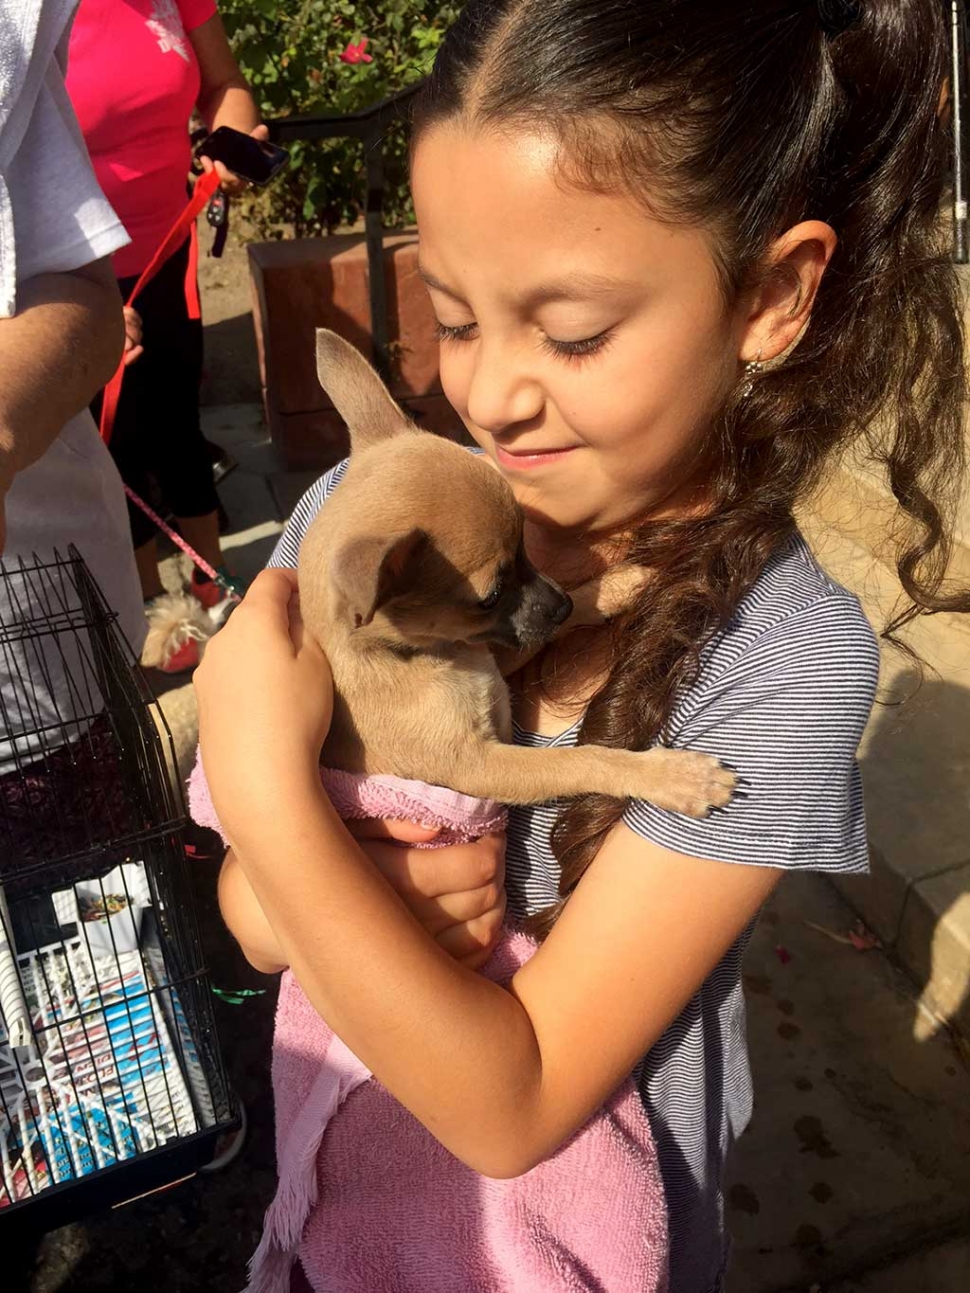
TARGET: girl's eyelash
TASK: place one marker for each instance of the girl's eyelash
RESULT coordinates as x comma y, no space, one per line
578,349
443,333
564,349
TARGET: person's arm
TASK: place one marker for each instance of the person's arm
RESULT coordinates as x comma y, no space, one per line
245,919
225,98
500,1077
456,892
56,352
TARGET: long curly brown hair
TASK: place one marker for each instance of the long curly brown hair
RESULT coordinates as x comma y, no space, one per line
748,118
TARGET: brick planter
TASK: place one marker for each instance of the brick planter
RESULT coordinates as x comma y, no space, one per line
313,283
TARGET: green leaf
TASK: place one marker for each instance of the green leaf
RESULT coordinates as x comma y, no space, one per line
324,184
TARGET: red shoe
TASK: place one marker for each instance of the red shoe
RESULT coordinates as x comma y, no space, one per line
182,658
212,594
177,631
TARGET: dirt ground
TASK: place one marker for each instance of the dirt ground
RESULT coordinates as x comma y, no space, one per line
231,374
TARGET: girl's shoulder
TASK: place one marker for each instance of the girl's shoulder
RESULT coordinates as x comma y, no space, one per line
783,696
287,548
795,609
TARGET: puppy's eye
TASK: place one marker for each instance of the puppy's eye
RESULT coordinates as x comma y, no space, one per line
491,601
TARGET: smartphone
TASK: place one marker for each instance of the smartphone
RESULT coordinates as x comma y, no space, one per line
251,159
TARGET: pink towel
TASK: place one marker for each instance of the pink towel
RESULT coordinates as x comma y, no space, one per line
377,1205
459,817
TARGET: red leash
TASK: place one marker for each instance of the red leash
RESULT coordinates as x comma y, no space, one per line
205,187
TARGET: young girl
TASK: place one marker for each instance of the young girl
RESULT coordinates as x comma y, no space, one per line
681,253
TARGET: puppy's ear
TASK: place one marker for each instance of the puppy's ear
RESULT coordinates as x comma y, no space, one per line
358,394
369,571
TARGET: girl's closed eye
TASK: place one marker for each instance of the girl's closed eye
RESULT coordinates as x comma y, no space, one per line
459,332
578,349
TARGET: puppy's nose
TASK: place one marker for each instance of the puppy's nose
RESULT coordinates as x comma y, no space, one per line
562,612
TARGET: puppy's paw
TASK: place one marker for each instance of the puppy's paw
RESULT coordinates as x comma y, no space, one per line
619,588
690,783
609,594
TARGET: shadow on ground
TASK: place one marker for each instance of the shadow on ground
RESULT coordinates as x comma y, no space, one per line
916,767
231,367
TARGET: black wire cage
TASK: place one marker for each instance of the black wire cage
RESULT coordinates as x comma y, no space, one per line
111,1078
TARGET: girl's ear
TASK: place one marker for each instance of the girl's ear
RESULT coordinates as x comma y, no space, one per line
780,307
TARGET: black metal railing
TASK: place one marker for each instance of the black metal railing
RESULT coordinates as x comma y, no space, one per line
370,126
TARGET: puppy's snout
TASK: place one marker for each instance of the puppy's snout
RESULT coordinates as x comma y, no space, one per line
562,609
544,606
549,601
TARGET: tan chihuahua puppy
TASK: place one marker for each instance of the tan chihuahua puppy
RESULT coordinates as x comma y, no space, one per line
412,572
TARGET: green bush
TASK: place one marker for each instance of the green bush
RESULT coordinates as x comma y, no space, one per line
291,56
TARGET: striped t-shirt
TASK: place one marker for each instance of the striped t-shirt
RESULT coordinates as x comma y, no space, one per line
782,697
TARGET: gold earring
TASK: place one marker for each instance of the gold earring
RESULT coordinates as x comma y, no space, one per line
750,371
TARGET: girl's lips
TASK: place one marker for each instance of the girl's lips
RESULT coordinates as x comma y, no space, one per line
524,461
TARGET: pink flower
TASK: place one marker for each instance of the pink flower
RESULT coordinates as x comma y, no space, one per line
355,53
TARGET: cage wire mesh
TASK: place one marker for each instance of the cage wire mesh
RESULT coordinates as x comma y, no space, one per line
108,1050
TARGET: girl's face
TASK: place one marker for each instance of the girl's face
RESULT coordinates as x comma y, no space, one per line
585,345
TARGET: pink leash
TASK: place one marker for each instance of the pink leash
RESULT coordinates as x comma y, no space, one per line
179,542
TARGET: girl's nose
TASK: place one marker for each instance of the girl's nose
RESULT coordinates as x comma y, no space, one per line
502,392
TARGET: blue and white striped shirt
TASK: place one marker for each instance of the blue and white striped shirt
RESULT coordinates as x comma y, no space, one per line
783,696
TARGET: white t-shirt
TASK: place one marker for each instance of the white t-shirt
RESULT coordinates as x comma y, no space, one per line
73,494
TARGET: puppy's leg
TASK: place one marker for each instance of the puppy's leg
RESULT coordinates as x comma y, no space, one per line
608,595
680,780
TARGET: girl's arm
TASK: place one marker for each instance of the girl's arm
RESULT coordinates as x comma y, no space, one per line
245,919
456,893
500,1077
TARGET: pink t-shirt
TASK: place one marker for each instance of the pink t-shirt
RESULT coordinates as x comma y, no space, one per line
134,79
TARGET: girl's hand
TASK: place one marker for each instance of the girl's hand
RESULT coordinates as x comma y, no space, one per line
265,697
232,183
456,893
133,335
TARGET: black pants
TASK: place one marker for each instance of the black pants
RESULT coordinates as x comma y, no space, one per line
157,439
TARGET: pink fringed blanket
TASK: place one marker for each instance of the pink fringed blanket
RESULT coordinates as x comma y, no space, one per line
377,1205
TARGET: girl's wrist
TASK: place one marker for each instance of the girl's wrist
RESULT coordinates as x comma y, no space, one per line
258,810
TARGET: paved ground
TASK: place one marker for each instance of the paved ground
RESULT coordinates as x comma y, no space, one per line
854,1177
